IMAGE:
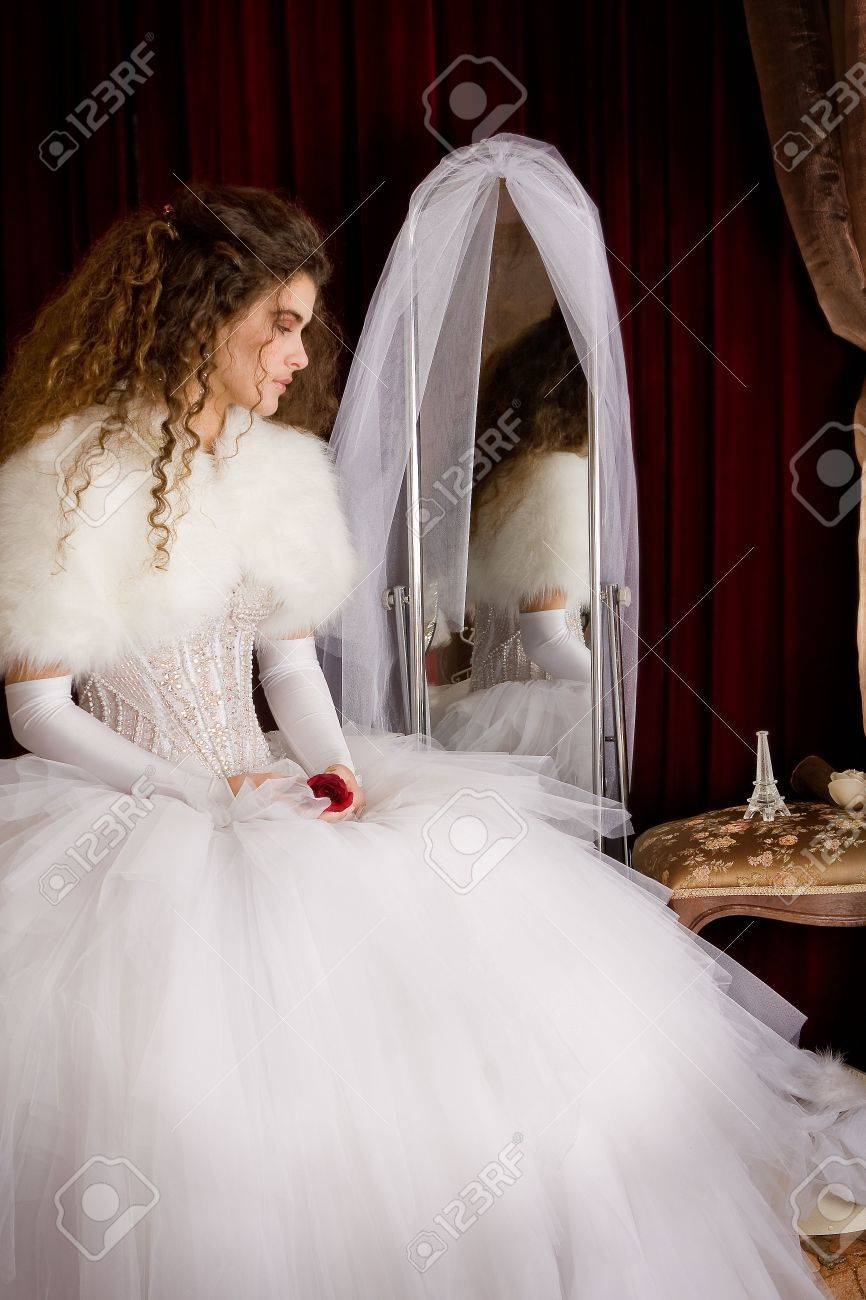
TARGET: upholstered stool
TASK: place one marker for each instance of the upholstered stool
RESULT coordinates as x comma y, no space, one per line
809,867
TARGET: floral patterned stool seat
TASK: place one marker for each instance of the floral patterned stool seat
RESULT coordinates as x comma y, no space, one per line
809,867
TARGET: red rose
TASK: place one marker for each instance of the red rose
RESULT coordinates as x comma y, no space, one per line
330,785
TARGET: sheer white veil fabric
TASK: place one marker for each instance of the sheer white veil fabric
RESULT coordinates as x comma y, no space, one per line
440,261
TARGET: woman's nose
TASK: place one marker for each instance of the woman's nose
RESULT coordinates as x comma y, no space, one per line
298,357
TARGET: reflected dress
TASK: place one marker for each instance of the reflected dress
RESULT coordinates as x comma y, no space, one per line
508,703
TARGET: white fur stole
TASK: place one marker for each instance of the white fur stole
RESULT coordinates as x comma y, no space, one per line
539,542
270,513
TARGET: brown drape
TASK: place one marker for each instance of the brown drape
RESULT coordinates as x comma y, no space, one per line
803,50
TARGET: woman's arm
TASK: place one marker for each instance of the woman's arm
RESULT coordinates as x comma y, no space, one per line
299,698
549,642
46,721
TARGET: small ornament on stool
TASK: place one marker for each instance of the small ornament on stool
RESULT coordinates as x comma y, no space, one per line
766,799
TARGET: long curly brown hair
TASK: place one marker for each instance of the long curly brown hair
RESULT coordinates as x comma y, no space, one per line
138,320
536,376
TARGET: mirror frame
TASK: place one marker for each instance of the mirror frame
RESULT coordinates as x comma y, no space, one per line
606,600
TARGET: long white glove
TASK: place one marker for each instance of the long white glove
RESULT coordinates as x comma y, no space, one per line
299,698
550,643
46,721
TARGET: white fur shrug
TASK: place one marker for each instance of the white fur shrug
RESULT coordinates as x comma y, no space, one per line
539,542
271,512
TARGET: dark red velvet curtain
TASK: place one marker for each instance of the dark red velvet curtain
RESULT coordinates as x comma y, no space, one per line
749,601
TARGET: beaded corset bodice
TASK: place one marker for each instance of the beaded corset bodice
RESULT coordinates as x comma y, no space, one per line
192,696
498,654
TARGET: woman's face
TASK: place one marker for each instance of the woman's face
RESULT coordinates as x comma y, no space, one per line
262,349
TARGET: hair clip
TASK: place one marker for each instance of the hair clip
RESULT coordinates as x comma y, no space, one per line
168,210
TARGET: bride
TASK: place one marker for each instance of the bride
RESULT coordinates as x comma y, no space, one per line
289,1014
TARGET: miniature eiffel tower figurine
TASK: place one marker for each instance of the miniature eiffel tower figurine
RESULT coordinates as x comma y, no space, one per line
766,799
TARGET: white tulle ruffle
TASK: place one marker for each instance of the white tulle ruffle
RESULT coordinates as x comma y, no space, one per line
550,717
252,1053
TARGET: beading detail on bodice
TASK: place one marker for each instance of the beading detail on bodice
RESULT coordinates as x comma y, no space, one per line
497,647
192,696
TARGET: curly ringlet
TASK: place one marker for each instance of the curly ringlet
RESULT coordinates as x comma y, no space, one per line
138,320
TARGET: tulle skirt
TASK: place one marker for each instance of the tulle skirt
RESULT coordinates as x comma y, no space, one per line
550,717
447,1050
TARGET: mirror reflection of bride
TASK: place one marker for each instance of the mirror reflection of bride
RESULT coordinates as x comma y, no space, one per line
528,686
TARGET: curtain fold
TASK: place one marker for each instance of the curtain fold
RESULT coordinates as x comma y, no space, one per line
810,57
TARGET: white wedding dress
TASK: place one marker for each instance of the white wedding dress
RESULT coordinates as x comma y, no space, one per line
446,1050
252,1053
